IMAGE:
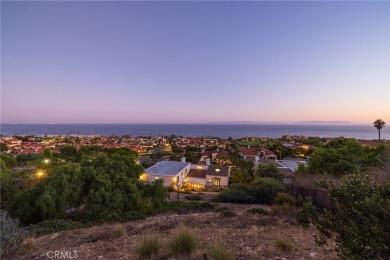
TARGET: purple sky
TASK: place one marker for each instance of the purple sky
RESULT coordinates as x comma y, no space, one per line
194,62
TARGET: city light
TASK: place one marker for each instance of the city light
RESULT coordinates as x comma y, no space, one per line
46,161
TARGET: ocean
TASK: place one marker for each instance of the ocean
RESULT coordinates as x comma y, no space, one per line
196,130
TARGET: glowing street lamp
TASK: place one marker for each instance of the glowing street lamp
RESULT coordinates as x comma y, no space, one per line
40,174
46,161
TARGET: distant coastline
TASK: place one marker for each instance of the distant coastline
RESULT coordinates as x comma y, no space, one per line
367,132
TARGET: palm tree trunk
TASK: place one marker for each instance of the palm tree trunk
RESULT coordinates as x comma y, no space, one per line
379,131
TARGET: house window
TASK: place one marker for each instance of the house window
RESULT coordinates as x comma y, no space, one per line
216,183
217,170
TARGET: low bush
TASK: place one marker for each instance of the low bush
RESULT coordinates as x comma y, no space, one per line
147,246
27,245
235,195
263,191
215,189
258,211
11,235
283,244
219,251
52,226
190,206
284,198
227,213
285,210
183,241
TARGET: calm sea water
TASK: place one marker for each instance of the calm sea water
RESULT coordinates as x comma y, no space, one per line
196,130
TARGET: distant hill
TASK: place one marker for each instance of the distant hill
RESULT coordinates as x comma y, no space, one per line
243,123
323,122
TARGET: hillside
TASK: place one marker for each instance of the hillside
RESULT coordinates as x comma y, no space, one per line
249,236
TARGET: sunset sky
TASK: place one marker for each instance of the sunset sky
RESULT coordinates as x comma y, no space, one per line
194,62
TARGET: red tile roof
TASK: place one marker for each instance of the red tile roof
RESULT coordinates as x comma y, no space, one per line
248,151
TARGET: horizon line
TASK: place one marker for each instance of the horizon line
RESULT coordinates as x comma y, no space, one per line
193,123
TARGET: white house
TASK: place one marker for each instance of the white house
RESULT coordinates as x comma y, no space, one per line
187,174
172,173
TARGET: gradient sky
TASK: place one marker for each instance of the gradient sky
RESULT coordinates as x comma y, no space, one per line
194,62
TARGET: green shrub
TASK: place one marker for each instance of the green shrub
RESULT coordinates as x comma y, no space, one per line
268,170
147,246
11,235
284,198
281,209
183,242
258,211
27,245
216,189
52,226
219,251
263,191
283,244
227,213
359,220
235,195
190,206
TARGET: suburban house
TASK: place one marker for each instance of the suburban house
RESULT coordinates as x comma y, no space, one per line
218,157
250,154
267,154
194,176
171,172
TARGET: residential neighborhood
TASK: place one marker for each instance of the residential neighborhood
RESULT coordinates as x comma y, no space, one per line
201,163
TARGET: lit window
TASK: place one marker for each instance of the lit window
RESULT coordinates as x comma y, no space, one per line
156,178
217,170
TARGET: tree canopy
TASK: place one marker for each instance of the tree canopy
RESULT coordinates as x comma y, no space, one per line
92,185
343,155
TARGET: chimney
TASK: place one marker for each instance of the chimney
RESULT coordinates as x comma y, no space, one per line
183,159
207,161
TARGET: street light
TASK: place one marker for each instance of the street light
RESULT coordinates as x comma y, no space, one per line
46,161
39,174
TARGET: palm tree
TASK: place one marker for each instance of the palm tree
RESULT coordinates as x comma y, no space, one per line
379,124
